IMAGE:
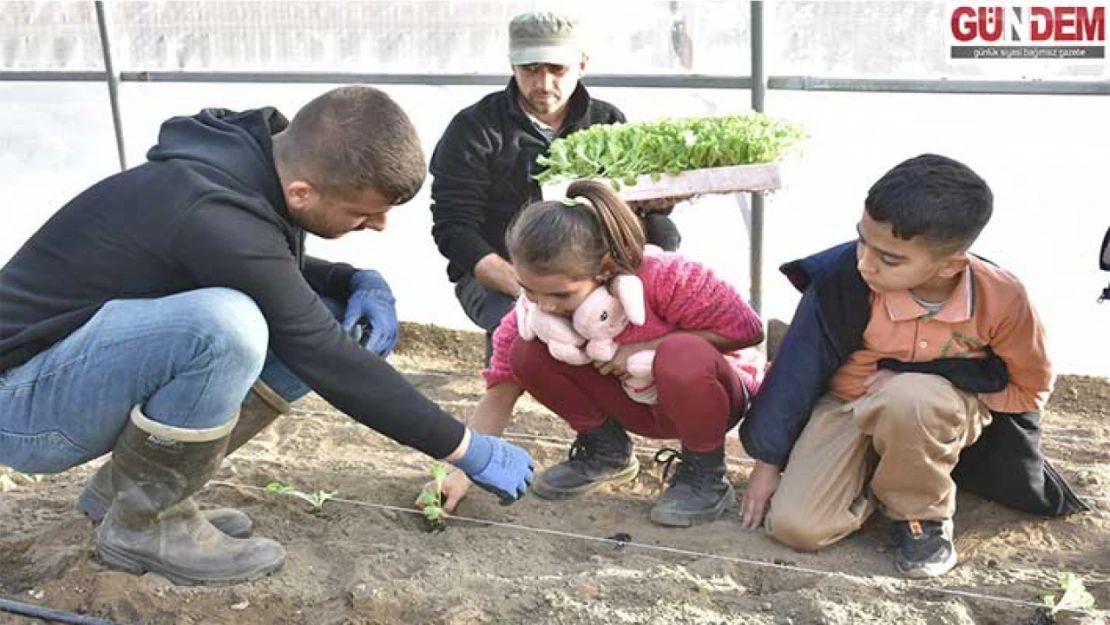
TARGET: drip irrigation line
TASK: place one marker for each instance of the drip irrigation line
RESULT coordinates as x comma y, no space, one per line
49,614
900,585
551,440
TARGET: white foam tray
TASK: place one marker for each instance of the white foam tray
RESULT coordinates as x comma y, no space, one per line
687,184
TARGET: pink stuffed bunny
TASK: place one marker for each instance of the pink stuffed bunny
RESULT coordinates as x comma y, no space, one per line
564,344
602,316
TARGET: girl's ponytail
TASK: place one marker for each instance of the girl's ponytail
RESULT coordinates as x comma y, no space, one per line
622,229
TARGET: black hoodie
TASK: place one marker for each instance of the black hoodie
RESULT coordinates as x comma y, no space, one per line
207,210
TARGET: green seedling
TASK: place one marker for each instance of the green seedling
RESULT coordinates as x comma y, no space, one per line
1073,597
621,152
316,499
431,500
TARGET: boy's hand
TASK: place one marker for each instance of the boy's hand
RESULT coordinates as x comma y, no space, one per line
455,486
876,380
762,483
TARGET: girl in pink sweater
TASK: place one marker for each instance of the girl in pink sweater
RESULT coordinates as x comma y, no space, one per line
696,324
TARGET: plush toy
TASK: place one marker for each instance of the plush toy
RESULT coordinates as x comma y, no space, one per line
564,344
602,316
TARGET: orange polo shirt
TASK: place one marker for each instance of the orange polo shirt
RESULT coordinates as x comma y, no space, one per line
989,307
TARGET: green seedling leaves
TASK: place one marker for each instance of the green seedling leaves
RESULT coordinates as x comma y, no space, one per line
316,499
1073,597
432,500
621,152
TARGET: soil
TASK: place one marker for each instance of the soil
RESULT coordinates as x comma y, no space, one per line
356,563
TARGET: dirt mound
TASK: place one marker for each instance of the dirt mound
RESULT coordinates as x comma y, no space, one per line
365,559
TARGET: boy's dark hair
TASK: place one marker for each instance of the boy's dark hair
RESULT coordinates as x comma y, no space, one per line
356,138
933,197
573,238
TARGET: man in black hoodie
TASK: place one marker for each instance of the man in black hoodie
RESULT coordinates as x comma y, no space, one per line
140,316
484,163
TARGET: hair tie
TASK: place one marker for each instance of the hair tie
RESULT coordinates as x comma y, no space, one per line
569,202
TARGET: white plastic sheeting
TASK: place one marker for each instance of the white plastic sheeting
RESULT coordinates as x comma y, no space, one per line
858,39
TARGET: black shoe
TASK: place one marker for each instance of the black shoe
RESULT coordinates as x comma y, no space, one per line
699,489
598,457
925,548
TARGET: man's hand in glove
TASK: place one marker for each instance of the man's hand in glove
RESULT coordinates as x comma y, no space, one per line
371,304
497,466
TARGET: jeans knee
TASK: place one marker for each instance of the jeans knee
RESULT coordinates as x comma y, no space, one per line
230,331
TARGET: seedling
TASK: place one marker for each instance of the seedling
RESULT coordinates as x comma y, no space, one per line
432,500
1073,597
621,152
316,499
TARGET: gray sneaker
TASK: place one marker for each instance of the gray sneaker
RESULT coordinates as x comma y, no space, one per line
598,457
698,491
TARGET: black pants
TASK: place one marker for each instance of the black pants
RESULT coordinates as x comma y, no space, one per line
484,306
660,230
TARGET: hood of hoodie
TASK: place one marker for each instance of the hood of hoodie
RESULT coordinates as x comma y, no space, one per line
216,137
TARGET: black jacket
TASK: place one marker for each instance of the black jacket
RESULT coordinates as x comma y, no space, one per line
483,167
208,210
1004,465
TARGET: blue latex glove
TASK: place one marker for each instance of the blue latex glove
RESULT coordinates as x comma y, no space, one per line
497,466
371,317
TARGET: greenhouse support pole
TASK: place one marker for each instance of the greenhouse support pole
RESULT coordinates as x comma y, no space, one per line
112,79
759,90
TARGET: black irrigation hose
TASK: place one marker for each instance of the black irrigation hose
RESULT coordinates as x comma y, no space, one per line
48,614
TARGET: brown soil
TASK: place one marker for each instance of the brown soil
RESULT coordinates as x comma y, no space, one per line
357,564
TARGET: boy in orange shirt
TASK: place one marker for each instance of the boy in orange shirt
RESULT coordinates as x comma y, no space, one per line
904,352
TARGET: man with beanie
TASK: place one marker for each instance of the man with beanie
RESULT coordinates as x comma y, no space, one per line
169,313
484,164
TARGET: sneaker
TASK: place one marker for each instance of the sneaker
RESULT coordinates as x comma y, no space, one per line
698,492
925,548
598,457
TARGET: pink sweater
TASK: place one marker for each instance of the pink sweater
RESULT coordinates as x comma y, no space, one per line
681,294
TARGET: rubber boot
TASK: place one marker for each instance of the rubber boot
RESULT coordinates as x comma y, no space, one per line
598,457
153,525
261,407
96,498
699,489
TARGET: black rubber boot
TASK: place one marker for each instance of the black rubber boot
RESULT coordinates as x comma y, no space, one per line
699,490
96,498
261,407
598,457
153,525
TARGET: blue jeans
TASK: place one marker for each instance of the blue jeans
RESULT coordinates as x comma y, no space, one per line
279,378
188,359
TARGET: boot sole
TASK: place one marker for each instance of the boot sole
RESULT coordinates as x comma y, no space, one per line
671,518
113,558
543,491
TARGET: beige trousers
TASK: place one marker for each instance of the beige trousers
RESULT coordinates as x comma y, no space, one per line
897,445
